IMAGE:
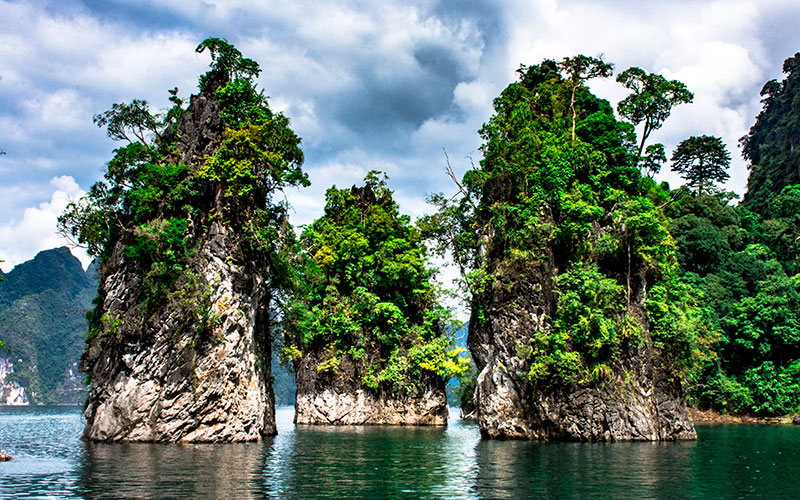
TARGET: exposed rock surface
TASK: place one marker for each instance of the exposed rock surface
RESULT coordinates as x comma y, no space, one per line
340,399
197,368
364,407
639,402
11,393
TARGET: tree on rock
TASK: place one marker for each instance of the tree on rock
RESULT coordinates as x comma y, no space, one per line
191,240
369,342
703,161
652,160
652,99
576,306
578,70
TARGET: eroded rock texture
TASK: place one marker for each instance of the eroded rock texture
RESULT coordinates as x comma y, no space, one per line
194,367
639,402
340,399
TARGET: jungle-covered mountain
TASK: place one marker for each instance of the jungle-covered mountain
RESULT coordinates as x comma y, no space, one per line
43,304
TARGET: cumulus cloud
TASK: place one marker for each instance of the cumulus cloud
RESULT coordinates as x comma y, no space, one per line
36,231
719,49
367,85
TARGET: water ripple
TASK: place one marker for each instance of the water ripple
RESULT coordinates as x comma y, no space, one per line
391,462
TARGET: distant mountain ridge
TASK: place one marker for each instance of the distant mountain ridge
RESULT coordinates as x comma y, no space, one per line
43,304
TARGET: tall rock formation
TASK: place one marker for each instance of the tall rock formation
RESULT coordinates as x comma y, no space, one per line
636,398
179,344
580,327
365,333
154,378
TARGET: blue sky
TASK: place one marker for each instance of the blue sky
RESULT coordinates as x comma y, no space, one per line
368,85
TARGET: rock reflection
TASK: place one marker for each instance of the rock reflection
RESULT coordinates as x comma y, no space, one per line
521,469
139,470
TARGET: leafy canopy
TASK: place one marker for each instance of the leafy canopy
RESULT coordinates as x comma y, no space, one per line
703,161
227,64
542,200
651,101
771,146
745,269
366,293
158,208
578,70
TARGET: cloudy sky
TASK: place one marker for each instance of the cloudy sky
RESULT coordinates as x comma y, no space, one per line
380,85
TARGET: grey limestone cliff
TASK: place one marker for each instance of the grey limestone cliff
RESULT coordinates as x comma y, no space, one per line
639,401
341,399
195,367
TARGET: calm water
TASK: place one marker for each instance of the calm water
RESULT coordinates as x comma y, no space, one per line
374,462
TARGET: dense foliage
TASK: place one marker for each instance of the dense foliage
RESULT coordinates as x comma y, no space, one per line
744,260
751,294
577,205
365,294
703,161
159,206
771,146
651,100
42,305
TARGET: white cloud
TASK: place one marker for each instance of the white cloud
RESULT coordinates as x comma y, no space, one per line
714,48
367,85
20,241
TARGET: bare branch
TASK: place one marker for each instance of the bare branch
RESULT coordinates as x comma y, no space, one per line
452,175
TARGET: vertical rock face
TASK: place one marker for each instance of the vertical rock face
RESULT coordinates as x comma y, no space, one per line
194,367
636,402
341,399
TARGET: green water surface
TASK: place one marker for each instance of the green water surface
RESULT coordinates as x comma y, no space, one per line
306,462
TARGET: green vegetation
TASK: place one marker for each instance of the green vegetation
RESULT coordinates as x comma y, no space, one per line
702,161
573,214
365,295
771,144
651,100
159,207
562,211
751,295
43,302
742,261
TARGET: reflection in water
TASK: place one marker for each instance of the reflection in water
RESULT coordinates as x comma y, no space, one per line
367,462
746,461
521,469
392,462
139,470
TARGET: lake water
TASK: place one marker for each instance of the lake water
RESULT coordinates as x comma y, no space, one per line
404,462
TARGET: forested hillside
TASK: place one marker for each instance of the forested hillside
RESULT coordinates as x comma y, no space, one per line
743,260
43,304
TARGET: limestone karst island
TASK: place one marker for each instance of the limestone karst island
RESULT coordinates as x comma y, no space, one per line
602,305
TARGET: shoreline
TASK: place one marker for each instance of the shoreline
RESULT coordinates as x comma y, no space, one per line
714,417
